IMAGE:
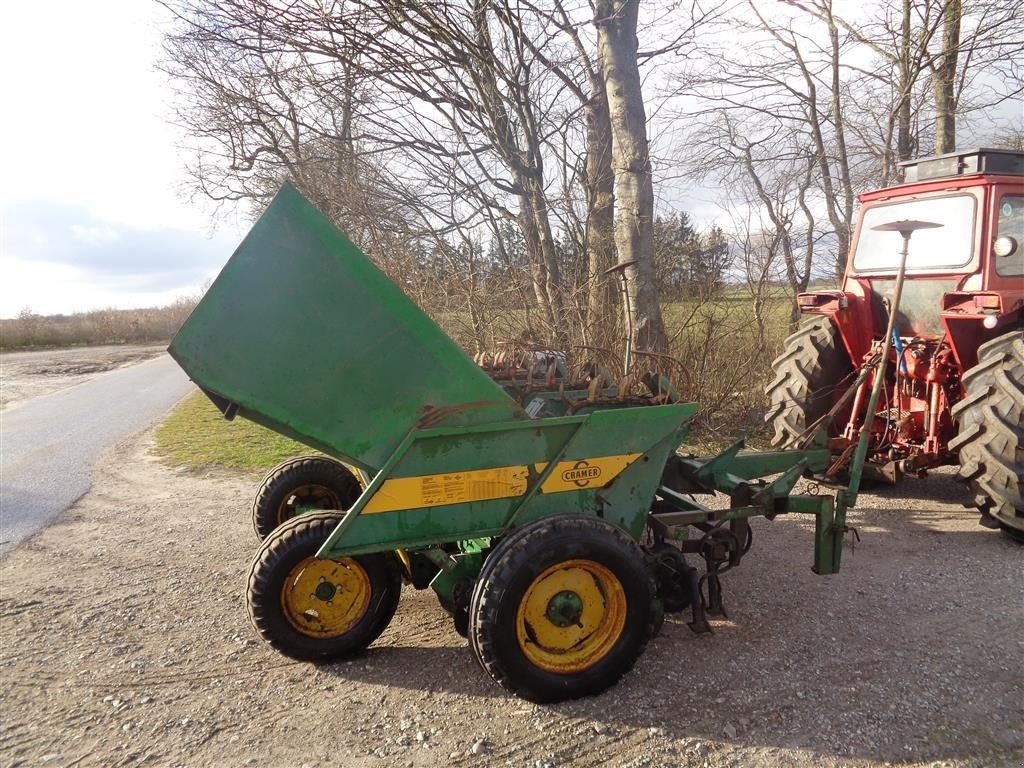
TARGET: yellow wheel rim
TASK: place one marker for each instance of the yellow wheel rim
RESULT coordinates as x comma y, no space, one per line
305,498
325,598
571,616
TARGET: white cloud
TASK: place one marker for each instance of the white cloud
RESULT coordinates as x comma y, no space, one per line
86,131
60,258
94,235
72,289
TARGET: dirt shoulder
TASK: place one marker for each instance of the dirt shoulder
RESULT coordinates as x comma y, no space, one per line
125,642
24,375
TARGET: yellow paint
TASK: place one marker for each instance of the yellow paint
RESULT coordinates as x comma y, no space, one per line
324,616
578,646
586,473
450,488
406,562
423,491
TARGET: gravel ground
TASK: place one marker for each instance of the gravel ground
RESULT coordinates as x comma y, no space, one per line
125,642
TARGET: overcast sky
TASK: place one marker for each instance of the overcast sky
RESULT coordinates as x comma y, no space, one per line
93,206
91,180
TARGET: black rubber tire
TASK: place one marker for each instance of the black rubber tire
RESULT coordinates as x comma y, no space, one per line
336,488
514,565
812,365
286,547
990,436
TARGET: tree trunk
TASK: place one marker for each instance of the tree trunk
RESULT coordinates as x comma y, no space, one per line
904,147
945,79
534,251
526,165
843,227
600,227
548,256
634,221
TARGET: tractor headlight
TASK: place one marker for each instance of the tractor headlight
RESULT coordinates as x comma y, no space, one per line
1004,246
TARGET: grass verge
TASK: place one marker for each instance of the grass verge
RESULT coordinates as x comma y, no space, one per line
195,435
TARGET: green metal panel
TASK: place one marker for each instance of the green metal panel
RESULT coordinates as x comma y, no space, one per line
653,432
458,448
306,336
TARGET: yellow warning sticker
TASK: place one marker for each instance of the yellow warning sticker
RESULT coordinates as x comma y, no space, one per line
496,483
449,488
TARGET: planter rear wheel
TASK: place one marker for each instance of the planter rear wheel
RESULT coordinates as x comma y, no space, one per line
304,484
563,610
673,576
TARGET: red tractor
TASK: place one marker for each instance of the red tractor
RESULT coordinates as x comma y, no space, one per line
954,388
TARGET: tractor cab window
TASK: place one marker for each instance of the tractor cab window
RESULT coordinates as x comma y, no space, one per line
1008,245
944,249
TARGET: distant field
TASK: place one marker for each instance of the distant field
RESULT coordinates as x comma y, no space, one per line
98,327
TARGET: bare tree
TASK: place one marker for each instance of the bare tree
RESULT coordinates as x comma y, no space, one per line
945,78
458,108
958,61
616,22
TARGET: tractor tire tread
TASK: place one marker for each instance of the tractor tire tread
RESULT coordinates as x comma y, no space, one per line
292,473
990,437
812,363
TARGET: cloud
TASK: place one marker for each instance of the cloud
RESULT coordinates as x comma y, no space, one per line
94,235
57,252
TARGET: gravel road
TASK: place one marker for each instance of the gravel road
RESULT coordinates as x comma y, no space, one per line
49,440
125,642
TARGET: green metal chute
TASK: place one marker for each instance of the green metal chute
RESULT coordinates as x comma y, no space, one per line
302,333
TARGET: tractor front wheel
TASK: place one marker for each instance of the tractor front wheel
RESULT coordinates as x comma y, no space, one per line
315,609
990,435
809,374
563,609
300,485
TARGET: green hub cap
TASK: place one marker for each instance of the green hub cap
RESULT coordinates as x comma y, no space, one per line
325,591
565,609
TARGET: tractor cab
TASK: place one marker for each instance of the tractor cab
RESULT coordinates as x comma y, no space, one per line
965,280
959,323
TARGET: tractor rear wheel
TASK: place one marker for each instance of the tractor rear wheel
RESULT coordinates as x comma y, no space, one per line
315,609
563,609
990,434
301,485
813,364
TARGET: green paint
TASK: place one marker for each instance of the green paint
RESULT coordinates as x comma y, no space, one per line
655,431
309,338
458,576
565,609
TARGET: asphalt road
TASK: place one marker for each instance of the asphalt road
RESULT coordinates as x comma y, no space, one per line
49,444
